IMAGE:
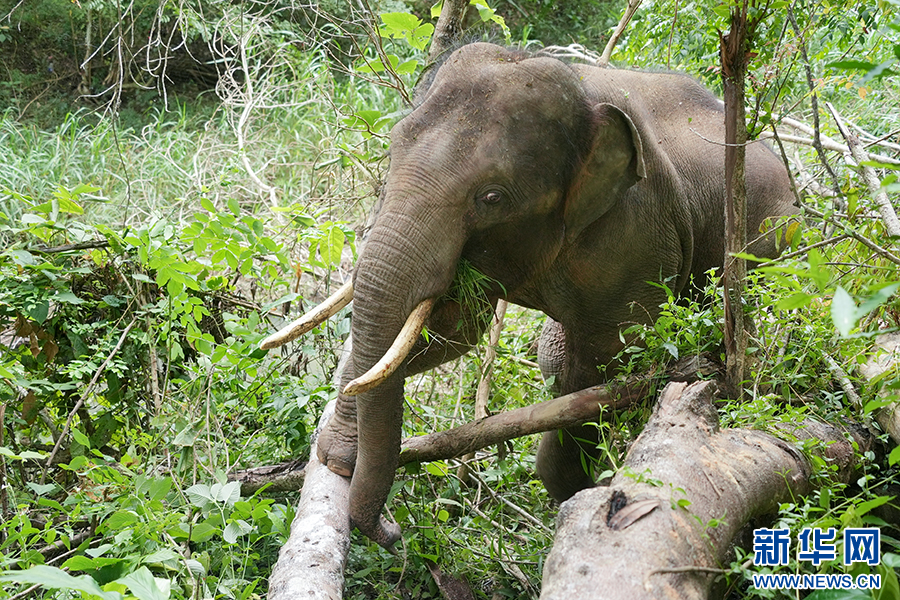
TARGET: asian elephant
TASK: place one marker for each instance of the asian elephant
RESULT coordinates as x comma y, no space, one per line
570,186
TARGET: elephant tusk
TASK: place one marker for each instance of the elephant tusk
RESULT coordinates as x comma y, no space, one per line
319,314
395,354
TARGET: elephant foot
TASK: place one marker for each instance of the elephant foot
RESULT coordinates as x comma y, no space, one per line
337,442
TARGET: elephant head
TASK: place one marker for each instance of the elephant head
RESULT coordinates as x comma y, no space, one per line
503,163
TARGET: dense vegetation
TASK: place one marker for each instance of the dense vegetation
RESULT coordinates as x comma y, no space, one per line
164,202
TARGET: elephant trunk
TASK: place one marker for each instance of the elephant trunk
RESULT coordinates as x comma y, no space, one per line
399,268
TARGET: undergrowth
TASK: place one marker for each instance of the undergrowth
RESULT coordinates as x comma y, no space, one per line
141,266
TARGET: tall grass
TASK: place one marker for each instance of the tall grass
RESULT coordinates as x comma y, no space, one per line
297,143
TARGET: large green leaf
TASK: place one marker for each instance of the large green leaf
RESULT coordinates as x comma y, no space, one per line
143,585
56,579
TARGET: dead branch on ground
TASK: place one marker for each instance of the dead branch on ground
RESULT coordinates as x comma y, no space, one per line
284,477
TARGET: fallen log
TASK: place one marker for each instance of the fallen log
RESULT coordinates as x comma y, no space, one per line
668,519
311,563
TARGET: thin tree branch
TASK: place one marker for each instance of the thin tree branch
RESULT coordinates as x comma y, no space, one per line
855,235
888,215
620,29
814,100
84,395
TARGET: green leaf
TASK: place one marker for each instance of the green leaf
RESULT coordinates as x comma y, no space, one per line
671,349
227,494
798,300
200,495
68,298
203,531
851,65
370,66
84,563
23,258
56,579
332,245
159,488
437,468
407,67
420,36
84,188
160,556
40,312
67,204
894,456
119,520
880,71
81,438
142,584
877,299
867,506
207,205
40,490
236,529
398,23
843,311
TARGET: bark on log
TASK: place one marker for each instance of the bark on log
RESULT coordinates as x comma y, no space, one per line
633,540
886,356
311,563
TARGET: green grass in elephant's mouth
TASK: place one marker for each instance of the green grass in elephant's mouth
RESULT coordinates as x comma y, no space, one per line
470,289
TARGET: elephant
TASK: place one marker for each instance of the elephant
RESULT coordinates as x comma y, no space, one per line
571,188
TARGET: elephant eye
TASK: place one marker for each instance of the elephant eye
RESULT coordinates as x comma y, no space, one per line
491,197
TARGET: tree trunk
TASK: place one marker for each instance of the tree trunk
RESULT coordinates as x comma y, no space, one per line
734,47
449,28
668,519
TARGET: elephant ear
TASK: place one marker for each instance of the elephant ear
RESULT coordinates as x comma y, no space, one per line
614,163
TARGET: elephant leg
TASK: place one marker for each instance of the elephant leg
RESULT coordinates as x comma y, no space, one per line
566,458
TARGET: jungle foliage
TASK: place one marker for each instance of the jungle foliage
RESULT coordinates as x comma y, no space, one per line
177,175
